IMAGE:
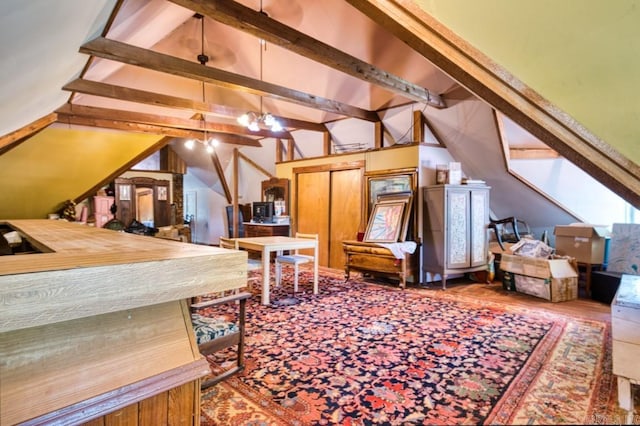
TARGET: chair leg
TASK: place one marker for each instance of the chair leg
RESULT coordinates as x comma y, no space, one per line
278,273
295,279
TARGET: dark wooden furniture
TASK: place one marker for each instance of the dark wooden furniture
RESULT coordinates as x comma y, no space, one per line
129,194
377,260
265,230
215,334
276,189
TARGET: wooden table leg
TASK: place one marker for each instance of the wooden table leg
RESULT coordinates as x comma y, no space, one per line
266,257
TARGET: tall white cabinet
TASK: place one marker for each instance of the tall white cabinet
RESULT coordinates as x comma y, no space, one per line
455,229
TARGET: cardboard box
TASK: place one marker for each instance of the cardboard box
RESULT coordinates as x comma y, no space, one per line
584,242
551,279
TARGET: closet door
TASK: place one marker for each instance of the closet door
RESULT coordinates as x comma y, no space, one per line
312,209
328,201
345,217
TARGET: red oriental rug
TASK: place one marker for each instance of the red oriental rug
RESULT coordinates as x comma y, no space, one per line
361,354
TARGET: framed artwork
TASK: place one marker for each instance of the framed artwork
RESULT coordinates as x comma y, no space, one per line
125,192
385,223
405,197
387,184
393,185
162,193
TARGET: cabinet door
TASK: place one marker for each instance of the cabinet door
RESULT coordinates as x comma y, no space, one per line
458,228
479,221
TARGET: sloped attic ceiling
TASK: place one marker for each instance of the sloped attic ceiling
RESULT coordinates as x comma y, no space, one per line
149,56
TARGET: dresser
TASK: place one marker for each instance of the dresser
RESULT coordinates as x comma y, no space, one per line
625,334
265,229
455,233
102,209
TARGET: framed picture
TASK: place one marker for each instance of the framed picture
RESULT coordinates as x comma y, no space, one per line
405,197
386,185
385,223
125,192
162,193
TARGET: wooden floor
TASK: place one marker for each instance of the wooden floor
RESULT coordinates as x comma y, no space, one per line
582,307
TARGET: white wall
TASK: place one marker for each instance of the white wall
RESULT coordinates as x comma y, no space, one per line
570,186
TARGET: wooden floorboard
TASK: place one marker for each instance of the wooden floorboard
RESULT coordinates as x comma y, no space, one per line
583,307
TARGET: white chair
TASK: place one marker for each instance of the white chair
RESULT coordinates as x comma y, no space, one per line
294,259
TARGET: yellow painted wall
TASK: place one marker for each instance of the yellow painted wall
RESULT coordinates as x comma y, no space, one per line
582,55
59,164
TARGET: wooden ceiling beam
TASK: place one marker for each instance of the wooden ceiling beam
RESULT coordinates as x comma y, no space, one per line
105,90
165,121
13,139
532,153
260,25
153,129
132,55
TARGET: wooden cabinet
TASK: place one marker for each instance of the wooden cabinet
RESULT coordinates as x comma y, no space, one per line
265,230
455,229
143,198
276,189
102,210
377,260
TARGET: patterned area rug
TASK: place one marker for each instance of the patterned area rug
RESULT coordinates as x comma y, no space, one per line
360,353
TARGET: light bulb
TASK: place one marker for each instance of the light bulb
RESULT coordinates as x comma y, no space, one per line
244,119
268,120
253,126
189,143
209,149
276,126
214,142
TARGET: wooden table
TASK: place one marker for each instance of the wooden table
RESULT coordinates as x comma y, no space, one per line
625,323
96,324
267,245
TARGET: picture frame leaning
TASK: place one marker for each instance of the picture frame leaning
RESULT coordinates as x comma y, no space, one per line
385,222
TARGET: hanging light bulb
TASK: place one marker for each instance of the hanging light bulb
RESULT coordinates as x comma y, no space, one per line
189,143
253,125
244,119
276,126
214,142
209,148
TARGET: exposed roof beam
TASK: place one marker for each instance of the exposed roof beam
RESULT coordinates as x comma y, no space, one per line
11,140
126,166
132,55
505,93
532,153
131,126
111,91
260,25
189,124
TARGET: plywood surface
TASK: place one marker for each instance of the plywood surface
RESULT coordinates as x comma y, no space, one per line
49,367
95,271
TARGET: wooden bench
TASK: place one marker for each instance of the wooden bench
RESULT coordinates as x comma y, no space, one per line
378,260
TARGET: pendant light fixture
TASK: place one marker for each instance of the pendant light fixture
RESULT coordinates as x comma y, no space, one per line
252,120
209,144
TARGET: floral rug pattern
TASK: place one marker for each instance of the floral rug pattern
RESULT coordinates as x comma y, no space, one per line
359,354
